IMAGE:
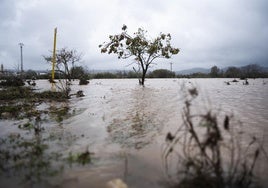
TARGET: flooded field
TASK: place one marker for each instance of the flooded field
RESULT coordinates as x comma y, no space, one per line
124,126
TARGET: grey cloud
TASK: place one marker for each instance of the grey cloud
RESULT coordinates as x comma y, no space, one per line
208,32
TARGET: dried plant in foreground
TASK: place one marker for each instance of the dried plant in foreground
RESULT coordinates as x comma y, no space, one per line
204,152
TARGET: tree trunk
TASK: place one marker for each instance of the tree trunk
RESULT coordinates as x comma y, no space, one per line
142,80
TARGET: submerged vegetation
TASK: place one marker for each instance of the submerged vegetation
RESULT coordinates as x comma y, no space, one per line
28,158
12,81
26,154
22,102
209,153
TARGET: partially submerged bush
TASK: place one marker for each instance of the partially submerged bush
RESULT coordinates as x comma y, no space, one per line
80,158
209,154
80,93
63,86
83,81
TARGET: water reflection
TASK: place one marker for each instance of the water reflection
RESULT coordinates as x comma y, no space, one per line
139,124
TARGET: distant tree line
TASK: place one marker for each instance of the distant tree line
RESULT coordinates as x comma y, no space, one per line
249,71
159,73
78,72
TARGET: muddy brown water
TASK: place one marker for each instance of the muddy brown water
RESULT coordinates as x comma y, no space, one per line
125,125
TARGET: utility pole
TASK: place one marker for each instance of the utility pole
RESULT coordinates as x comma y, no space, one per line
21,57
171,66
54,55
54,60
173,74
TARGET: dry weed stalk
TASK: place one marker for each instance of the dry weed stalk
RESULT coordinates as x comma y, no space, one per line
208,153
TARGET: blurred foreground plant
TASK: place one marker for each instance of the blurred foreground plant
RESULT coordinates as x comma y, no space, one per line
208,153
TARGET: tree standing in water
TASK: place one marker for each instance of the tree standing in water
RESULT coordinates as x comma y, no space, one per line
65,62
144,50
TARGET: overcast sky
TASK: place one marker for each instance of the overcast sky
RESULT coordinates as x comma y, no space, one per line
208,32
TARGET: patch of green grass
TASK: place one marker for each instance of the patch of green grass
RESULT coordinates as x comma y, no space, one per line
20,102
57,96
12,81
12,93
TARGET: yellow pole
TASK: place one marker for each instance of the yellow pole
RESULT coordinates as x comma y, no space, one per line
54,59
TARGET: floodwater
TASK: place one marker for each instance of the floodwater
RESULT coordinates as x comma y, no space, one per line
125,125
